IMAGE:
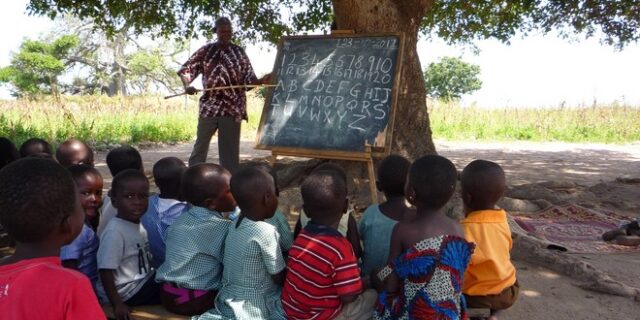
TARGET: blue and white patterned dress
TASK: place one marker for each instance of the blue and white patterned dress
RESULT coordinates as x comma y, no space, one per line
431,272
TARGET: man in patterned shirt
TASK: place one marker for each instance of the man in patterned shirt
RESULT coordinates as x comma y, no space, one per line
220,63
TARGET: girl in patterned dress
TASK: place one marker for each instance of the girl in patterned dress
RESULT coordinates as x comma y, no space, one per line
428,254
254,267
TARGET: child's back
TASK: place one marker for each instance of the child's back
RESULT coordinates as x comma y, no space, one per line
428,253
164,208
378,221
253,259
40,210
195,242
490,280
323,279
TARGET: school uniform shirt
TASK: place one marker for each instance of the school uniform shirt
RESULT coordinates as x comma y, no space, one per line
160,214
195,249
321,268
84,249
124,248
42,289
490,270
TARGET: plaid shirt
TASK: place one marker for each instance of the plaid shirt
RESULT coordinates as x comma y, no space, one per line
221,67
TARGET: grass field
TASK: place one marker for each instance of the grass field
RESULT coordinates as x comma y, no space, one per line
104,121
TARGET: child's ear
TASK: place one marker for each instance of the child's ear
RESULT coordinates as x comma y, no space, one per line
411,196
66,230
211,204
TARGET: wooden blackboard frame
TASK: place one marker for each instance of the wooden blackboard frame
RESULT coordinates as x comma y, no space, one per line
339,154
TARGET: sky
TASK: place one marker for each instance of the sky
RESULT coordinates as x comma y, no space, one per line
536,71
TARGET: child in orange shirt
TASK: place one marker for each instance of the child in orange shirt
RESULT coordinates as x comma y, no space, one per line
490,279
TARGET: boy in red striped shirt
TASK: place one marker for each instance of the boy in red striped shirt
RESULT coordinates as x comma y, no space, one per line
323,279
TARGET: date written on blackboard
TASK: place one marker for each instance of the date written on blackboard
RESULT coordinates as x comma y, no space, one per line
333,93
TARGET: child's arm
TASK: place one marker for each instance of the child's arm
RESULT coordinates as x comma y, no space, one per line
70,264
297,229
120,309
353,236
392,282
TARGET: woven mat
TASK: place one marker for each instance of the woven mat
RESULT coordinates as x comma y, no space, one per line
576,228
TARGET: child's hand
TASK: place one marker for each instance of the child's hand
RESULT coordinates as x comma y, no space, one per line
121,311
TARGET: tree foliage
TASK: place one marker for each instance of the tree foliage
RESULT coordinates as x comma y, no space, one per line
450,78
35,68
616,21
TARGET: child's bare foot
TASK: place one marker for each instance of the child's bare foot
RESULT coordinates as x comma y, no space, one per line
613,234
631,241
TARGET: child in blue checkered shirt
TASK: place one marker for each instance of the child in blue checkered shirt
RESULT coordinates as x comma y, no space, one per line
164,208
254,266
191,274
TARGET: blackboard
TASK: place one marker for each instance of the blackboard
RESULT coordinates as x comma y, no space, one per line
333,93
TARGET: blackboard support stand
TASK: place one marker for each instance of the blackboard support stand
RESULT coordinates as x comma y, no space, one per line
349,156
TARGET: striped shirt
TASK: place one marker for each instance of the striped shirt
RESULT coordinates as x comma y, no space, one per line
322,267
221,67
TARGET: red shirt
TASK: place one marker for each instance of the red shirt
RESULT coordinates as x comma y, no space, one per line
321,268
42,289
220,68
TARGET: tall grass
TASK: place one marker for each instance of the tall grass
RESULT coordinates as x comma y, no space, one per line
103,121
603,124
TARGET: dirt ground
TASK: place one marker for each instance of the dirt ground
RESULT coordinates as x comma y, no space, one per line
537,173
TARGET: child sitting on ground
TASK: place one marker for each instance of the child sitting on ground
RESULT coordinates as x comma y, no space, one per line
627,235
490,280
73,152
279,220
124,264
428,254
118,160
36,147
81,254
323,279
166,207
378,220
39,208
348,226
253,262
192,269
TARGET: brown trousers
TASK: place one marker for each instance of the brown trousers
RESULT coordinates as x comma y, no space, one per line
500,301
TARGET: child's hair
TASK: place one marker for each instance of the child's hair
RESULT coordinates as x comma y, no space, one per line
323,191
123,177
35,195
35,147
123,158
8,152
167,173
330,166
79,171
266,168
248,185
392,175
485,182
433,178
197,182
66,150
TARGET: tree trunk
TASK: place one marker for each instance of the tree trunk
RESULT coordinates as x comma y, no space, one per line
412,138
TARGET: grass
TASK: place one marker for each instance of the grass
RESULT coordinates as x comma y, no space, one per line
105,121
599,124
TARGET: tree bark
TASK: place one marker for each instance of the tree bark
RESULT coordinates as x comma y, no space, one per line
412,132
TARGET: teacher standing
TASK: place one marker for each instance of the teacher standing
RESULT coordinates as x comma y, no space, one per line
220,63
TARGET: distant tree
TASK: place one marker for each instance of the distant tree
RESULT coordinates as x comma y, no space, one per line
450,78
35,68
